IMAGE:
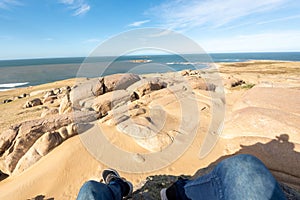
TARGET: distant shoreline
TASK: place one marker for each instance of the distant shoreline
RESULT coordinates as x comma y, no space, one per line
80,59
39,71
10,86
146,55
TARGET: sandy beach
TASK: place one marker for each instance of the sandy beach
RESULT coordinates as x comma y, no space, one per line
151,124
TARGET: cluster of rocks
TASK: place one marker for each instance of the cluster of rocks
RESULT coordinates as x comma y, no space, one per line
189,72
229,81
114,99
50,96
25,143
234,82
15,98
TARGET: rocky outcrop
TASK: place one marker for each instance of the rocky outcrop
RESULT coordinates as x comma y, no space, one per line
233,82
65,105
44,144
48,112
119,81
7,138
32,103
262,111
145,86
107,101
98,86
284,99
122,100
199,83
7,100
25,143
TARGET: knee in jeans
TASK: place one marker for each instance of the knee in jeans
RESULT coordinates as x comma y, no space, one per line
242,161
90,184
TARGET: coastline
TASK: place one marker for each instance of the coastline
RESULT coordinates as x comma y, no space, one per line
259,112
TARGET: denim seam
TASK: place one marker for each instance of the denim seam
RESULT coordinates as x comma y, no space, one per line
218,182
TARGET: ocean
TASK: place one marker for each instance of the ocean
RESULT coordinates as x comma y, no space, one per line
30,72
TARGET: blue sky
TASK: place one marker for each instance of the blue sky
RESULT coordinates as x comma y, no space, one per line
67,28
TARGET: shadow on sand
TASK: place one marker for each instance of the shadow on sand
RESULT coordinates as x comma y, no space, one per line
278,155
41,197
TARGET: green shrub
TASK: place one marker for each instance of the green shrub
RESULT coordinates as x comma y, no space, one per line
248,86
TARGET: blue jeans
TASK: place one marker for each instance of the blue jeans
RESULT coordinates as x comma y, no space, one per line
93,190
239,177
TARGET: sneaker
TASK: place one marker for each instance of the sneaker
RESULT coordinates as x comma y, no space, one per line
109,175
175,191
169,193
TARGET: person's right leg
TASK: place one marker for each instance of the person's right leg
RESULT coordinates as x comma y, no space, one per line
238,177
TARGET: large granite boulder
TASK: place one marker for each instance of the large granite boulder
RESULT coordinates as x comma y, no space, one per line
107,101
32,103
24,144
99,86
65,105
199,83
145,86
82,91
44,145
6,139
119,81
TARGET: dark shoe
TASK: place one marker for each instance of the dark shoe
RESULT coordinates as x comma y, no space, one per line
175,191
168,193
109,175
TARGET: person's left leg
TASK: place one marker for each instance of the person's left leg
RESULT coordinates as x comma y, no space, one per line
93,190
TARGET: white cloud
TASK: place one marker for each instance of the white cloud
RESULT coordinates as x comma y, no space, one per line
180,14
138,23
67,1
82,10
268,41
279,19
79,7
7,4
92,40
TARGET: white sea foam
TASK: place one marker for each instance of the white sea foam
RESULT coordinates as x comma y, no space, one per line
185,63
11,85
2,90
